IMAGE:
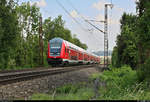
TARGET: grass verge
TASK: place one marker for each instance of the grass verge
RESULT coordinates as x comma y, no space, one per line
117,84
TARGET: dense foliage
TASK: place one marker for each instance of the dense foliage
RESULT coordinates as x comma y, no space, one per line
55,28
19,34
9,32
133,43
122,84
126,51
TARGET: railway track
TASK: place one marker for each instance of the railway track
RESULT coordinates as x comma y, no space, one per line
17,76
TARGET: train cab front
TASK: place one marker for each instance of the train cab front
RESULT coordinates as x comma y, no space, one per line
54,51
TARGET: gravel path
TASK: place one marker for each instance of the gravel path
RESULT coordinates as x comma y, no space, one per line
23,90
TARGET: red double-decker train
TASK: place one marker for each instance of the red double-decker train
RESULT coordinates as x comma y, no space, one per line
63,52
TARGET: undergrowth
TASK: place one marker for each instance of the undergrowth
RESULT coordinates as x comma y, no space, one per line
120,84
68,92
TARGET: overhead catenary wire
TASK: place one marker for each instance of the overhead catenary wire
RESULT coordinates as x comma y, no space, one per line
70,15
85,19
47,12
84,29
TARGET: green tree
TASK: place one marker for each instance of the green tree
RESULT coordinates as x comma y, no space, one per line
142,5
126,50
143,31
29,24
143,39
77,42
19,34
55,28
8,33
115,60
133,43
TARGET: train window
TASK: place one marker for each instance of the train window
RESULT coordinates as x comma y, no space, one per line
67,50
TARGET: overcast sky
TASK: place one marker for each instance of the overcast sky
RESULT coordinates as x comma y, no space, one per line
91,10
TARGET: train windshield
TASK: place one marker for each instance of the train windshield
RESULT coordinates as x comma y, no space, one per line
55,47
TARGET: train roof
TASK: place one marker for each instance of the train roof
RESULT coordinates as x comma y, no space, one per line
69,44
56,40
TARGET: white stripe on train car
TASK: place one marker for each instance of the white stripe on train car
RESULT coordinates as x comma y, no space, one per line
71,61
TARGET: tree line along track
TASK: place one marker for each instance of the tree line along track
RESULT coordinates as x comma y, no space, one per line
13,77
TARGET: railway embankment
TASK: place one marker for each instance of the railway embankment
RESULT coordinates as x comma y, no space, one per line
24,89
114,84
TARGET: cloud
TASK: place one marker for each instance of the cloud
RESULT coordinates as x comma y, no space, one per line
99,17
41,3
119,9
110,20
114,21
136,0
99,5
74,14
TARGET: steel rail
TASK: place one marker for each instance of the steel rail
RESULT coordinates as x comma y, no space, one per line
28,75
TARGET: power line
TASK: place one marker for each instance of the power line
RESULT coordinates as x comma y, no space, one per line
47,12
82,17
105,31
70,15
85,19
74,8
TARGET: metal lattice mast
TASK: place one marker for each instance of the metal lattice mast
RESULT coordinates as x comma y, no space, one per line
106,35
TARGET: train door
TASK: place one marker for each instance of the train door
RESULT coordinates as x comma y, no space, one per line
66,54
69,53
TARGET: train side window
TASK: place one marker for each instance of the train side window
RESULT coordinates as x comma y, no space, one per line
67,50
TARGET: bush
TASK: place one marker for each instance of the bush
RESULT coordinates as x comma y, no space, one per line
41,97
143,71
67,89
68,92
123,77
121,83
64,89
80,94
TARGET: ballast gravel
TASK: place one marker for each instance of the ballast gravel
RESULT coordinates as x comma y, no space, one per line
25,89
